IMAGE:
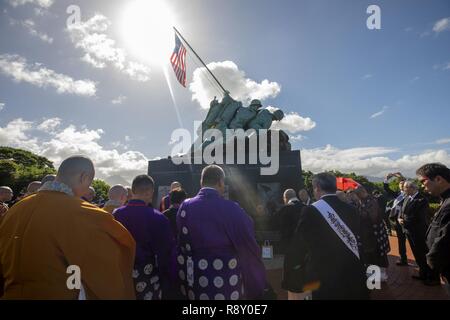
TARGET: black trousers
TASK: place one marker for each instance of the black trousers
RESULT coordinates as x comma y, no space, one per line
416,239
401,238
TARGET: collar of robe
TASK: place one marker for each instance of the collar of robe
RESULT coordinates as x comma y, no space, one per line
56,186
136,203
208,191
113,203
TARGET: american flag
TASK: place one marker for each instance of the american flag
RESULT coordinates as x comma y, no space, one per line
178,61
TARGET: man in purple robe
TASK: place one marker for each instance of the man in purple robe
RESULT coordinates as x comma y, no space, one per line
155,244
218,255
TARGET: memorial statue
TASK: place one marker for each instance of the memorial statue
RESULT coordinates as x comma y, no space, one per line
245,115
264,119
215,109
230,114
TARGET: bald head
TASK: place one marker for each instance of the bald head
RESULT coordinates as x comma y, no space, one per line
33,187
77,172
6,194
118,193
288,195
175,186
48,178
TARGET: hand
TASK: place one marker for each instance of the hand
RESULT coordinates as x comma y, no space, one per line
401,221
3,209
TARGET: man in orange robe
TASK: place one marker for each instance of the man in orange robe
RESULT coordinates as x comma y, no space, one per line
49,231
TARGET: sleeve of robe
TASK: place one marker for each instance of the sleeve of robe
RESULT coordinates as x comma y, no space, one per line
239,227
165,250
104,250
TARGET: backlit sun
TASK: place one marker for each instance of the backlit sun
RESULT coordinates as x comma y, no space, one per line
146,28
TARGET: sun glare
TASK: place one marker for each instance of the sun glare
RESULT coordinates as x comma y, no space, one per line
146,28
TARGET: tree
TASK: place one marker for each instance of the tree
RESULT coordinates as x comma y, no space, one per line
19,167
101,190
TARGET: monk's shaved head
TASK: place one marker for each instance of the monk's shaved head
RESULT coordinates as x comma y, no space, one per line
6,193
5,189
175,186
73,166
117,192
142,184
47,178
142,188
77,172
33,187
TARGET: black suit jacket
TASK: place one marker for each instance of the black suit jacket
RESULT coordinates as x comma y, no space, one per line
287,218
414,215
438,238
318,259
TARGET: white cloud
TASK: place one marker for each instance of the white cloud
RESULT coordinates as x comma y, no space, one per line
297,138
443,66
371,161
40,3
379,113
2,105
443,141
234,80
119,100
20,70
100,50
293,123
60,143
415,79
15,134
367,76
49,125
442,25
30,26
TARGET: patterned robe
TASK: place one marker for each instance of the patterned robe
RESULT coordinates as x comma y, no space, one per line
218,257
154,249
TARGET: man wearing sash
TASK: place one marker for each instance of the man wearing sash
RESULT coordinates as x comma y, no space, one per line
219,258
326,249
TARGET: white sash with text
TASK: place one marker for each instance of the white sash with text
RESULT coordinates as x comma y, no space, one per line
338,226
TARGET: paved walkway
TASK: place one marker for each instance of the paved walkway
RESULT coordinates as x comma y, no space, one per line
400,285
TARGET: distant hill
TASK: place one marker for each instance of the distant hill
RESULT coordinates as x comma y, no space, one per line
374,179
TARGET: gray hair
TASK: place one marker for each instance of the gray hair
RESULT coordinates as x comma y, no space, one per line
411,184
325,181
289,194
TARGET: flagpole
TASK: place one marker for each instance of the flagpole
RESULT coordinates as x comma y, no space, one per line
198,57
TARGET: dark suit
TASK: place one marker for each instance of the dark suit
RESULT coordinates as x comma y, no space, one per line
318,259
393,215
414,211
287,218
438,239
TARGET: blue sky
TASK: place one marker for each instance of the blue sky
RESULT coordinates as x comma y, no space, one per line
369,101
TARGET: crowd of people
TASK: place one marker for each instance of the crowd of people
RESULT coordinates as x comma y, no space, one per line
204,247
